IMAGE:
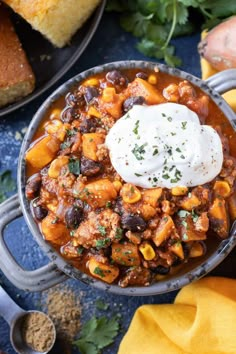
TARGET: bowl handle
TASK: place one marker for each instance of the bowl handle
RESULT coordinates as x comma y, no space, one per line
29,280
223,81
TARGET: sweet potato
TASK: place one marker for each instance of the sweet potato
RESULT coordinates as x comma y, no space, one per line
219,217
164,230
219,45
98,193
125,254
43,151
140,87
54,230
105,272
90,142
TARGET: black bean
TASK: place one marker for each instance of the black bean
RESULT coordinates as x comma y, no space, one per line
75,99
89,167
88,125
90,93
73,217
133,222
116,78
142,75
39,212
161,270
68,115
33,186
131,101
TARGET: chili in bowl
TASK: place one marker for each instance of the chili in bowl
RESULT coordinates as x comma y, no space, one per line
129,175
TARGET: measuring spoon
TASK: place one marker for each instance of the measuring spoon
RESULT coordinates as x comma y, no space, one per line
14,316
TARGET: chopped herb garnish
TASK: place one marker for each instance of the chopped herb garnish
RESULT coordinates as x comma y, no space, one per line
178,150
183,213
74,166
65,145
138,151
136,126
72,233
99,272
184,223
102,230
71,132
183,125
102,243
108,204
54,221
194,216
155,152
138,175
119,233
80,250
165,176
185,237
169,119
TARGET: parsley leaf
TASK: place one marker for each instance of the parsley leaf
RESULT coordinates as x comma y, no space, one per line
96,334
7,184
74,166
157,22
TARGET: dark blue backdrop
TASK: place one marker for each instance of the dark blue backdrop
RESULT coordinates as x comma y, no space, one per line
110,43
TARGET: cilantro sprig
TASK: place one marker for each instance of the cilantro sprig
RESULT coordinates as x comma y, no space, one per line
97,334
157,22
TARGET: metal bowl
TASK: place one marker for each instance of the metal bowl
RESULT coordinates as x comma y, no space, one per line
59,269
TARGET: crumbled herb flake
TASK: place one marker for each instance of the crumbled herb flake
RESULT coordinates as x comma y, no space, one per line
99,272
138,151
136,127
102,230
74,166
138,174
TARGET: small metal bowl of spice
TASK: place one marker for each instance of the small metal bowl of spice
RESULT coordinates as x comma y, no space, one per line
34,332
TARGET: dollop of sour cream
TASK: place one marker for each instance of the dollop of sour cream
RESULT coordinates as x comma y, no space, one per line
164,146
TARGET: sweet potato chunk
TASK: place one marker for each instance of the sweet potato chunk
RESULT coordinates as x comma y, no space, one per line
219,217
90,141
43,151
140,87
126,254
164,230
105,272
98,193
54,230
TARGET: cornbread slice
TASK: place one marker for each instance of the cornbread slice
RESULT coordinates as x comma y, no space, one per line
57,20
16,76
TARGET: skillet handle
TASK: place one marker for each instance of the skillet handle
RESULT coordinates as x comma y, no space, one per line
223,81
33,280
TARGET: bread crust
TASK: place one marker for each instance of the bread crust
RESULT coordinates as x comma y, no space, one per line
16,76
57,20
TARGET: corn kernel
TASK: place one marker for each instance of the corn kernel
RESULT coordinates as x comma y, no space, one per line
92,111
130,193
180,190
91,82
222,189
152,79
117,184
196,250
56,165
56,112
147,251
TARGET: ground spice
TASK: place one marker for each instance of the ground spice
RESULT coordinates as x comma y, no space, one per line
38,331
64,308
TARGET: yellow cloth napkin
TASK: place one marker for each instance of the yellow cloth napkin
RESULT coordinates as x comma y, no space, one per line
202,320
208,70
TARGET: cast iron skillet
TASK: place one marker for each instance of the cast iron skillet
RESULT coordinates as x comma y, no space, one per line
58,269
49,63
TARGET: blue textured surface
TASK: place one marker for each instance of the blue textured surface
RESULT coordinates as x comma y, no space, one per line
110,43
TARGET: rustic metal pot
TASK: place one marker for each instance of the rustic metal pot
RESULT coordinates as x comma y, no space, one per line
59,269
